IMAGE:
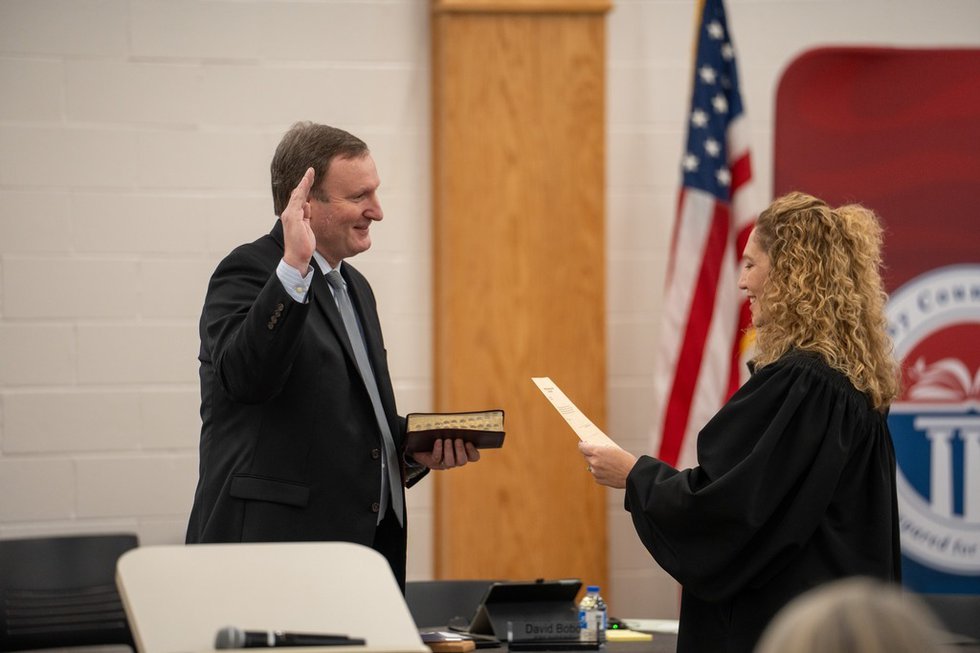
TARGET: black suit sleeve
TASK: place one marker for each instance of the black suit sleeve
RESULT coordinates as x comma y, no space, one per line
250,326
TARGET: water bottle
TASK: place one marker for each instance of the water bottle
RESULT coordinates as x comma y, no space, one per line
600,605
592,616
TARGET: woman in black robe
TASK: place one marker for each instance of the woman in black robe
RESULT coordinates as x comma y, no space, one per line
795,482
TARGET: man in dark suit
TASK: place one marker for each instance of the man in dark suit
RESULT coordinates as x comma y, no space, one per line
300,438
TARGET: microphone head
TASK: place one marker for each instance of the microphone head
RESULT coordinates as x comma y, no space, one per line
229,637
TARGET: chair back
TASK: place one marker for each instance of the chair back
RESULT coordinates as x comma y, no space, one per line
958,613
60,591
178,598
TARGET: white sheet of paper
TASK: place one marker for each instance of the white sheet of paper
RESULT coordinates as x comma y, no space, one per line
582,425
653,625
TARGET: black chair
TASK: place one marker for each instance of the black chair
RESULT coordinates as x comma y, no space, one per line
958,613
61,592
439,603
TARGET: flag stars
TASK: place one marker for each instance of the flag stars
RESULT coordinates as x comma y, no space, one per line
712,147
715,100
723,176
719,103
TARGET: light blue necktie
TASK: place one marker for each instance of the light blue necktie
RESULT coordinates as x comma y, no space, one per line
390,459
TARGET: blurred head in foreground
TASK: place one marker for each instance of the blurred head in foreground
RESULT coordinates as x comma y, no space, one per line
854,615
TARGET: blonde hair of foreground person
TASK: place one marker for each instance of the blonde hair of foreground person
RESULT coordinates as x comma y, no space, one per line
854,615
824,292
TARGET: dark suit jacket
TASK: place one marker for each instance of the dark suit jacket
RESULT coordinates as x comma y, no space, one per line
290,446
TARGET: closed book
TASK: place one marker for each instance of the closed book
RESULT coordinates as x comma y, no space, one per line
485,429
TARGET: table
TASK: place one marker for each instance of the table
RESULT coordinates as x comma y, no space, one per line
661,643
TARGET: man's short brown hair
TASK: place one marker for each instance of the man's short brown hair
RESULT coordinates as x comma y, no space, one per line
306,145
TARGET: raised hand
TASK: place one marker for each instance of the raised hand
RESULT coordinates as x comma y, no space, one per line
297,233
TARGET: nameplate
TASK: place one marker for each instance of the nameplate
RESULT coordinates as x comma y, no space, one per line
542,630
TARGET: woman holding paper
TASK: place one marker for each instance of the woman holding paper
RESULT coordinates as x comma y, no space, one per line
795,482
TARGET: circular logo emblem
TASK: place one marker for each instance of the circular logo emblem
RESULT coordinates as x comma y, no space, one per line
934,321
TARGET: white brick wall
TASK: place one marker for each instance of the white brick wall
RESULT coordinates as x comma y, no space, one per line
135,139
58,422
36,354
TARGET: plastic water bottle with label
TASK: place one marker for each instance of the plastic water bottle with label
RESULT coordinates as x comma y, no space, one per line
592,616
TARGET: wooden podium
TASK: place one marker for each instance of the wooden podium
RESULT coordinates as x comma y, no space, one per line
178,597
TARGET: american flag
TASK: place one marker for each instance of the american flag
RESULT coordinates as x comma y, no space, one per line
702,342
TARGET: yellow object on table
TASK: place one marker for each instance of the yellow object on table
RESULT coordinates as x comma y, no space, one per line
627,635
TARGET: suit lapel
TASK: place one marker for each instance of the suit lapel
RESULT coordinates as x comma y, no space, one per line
322,296
324,301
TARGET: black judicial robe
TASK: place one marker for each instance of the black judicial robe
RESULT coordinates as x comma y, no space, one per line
795,486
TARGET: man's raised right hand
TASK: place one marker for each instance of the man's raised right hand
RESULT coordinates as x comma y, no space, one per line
297,233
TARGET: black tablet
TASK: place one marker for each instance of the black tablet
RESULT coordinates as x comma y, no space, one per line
549,600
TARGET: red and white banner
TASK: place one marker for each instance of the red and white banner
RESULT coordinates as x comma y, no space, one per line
898,130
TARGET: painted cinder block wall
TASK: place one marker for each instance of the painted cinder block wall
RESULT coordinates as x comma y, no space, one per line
135,140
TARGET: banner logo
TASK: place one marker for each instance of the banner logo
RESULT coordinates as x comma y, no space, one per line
934,321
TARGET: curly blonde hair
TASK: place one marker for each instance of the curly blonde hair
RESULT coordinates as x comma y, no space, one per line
824,293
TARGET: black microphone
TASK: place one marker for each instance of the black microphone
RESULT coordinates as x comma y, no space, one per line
231,637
